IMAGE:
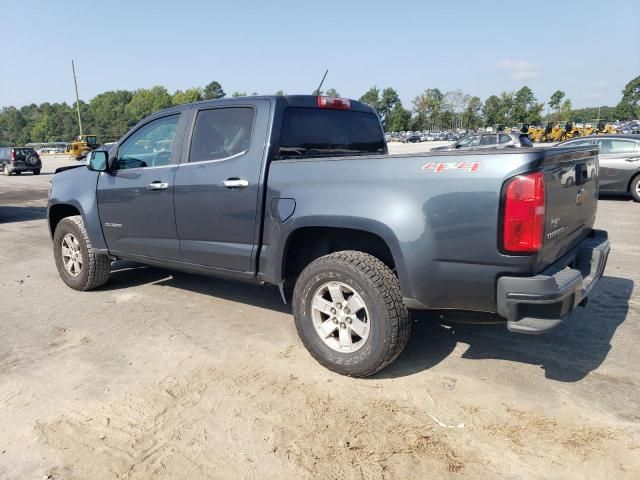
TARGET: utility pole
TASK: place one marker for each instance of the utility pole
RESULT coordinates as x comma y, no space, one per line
75,81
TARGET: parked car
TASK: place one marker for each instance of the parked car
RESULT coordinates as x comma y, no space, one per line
488,140
413,138
296,191
19,159
619,162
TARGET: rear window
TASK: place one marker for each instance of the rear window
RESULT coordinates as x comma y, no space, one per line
24,152
525,141
312,132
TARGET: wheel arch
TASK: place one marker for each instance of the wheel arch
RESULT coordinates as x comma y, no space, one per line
59,210
312,238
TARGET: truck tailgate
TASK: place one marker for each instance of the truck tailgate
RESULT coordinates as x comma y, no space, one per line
571,185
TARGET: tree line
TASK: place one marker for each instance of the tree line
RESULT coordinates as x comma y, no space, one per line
110,114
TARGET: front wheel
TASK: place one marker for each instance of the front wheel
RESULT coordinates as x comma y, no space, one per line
78,265
635,188
349,313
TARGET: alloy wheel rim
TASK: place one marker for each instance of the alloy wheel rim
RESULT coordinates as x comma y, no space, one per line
340,317
71,255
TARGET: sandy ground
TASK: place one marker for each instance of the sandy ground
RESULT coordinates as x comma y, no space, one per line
160,375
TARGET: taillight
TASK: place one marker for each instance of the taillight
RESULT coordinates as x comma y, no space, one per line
523,213
334,102
13,156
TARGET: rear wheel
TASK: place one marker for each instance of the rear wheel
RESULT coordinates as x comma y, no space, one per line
78,265
349,313
36,172
635,188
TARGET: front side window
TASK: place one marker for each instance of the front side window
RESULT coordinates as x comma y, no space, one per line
576,143
150,146
221,133
469,141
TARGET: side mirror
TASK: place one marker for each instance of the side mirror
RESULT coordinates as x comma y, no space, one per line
98,161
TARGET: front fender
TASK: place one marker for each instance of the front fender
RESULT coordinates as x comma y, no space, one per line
76,189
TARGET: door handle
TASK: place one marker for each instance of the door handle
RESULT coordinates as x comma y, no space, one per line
157,185
632,159
235,183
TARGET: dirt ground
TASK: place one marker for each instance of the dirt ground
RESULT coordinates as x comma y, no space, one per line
162,375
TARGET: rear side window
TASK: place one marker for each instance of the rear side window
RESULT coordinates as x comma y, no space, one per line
525,141
309,132
616,146
221,133
488,140
504,138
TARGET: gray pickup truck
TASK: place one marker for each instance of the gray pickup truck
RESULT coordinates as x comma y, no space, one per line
300,192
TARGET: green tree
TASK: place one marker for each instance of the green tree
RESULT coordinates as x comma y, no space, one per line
110,119
556,99
332,92
491,110
631,99
388,100
213,91
239,94
147,101
372,97
190,95
472,116
525,107
623,111
565,113
280,93
399,118
428,106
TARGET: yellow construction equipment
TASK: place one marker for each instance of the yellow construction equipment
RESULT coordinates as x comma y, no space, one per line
571,131
558,133
543,134
604,127
79,148
588,129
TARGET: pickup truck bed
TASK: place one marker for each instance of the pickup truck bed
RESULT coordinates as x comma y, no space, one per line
300,192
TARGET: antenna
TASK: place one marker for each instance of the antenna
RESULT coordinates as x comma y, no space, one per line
317,91
75,81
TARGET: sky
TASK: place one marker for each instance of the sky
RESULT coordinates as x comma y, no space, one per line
589,49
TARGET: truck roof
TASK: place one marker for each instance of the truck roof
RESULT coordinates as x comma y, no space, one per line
305,101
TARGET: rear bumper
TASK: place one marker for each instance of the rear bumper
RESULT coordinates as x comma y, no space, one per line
23,167
535,305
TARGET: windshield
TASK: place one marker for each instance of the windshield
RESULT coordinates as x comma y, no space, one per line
319,132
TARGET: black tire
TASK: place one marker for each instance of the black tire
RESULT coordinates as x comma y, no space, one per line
634,188
18,172
95,267
36,172
379,288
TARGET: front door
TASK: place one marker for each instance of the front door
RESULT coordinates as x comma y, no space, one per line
618,159
217,188
135,200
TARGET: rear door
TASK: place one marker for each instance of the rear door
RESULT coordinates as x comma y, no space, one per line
571,185
136,200
217,186
619,161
